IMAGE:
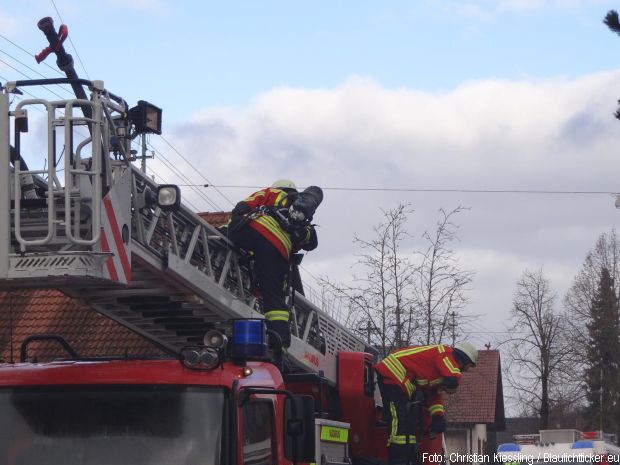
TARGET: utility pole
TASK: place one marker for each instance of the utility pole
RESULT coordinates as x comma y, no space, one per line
144,156
453,328
369,329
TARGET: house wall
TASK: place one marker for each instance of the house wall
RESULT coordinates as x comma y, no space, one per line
479,439
456,440
467,441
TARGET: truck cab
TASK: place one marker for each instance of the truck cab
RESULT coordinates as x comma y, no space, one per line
158,411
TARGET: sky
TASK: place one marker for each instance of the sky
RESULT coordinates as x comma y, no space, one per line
436,95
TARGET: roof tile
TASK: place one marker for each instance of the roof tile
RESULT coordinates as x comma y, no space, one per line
476,400
215,219
29,312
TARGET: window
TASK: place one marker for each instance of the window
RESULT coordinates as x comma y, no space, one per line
258,421
91,425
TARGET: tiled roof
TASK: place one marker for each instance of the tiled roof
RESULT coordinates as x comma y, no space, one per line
27,312
215,219
479,398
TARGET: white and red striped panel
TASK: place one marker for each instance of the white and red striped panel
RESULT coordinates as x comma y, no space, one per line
115,215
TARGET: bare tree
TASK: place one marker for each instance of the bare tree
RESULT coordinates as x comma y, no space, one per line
441,285
400,301
540,355
378,300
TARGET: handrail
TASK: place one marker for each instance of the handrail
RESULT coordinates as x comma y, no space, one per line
94,174
51,206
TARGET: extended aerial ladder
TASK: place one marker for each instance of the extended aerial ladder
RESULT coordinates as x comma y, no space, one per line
89,224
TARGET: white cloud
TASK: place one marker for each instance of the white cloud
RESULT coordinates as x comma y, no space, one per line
556,134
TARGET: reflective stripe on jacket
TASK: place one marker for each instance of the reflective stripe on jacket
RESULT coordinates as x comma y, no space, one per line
420,367
267,225
271,230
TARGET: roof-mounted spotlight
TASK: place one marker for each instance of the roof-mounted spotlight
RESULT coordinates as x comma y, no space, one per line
168,197
200,358
215,339
146,118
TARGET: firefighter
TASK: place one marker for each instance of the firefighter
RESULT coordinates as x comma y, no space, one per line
405,374
272,224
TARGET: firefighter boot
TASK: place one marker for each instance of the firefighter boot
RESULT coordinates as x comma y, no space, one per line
283,330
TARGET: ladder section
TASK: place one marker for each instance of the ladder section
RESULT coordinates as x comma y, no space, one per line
97,233
51,232
187,277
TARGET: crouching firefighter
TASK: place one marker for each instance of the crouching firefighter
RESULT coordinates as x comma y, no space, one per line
415,373
272,224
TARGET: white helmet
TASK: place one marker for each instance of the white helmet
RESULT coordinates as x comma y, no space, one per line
467,349
284,184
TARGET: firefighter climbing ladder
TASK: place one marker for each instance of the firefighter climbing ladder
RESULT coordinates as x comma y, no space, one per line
87,224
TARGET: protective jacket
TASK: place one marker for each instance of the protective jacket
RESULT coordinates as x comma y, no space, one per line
265,223
427,367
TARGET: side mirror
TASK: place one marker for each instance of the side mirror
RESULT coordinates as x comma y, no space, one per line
299,434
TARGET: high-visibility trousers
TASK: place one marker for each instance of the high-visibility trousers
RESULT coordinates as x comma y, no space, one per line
271,271
401,427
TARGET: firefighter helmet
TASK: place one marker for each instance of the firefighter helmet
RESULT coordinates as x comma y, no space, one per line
284,184
468,350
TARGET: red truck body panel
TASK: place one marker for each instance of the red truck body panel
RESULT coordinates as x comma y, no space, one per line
136,372
151,372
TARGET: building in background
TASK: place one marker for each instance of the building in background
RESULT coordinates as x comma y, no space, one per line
475,413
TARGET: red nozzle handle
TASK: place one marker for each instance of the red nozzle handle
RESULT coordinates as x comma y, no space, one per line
55,39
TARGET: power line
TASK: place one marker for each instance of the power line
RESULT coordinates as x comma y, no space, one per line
25,92
57,71
180,174
163,180
456,190
199,173
70,41
23,64
34,71
183,177
167,163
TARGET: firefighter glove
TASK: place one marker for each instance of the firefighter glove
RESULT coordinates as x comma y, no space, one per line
438,424
450,382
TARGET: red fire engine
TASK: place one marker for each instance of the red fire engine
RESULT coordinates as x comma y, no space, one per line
90,223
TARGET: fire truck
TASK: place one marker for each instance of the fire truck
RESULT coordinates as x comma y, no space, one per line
88,222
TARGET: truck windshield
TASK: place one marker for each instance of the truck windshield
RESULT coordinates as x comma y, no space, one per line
138,425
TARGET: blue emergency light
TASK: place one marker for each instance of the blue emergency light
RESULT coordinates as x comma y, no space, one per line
248,338
509,447
582,445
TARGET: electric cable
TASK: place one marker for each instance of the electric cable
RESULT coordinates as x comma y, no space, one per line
36,72
178,173
165,161
28,77
181,175
24,91
202,194
71,42
440,190
199,173
30,54
164,181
